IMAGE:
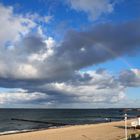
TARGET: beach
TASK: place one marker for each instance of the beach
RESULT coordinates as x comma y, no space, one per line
102,131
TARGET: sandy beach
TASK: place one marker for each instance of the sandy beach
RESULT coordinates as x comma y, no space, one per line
104,131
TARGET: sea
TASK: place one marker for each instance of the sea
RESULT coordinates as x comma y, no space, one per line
24,120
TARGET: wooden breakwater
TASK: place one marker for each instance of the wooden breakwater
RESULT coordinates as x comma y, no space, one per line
44,122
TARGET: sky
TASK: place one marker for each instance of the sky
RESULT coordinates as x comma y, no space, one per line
69,53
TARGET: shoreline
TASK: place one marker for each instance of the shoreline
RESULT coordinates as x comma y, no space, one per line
53,127
101,131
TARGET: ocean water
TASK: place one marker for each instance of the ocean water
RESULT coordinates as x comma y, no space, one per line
67,116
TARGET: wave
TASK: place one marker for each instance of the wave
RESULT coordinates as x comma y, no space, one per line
16,131
28,130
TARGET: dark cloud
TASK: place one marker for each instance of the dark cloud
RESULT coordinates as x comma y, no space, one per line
39,65
89,87
31,44
130,78
98,44
31,57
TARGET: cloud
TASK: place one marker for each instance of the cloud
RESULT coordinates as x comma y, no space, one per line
41,19
49,71
94,8
35,56
130,78
14,25
20,96
89,87
99,88
96,45
19,44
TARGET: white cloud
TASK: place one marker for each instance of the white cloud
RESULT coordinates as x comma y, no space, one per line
94,8
15,40
58,61
39,19
20,96
26,71
92,87
137,73
49,70
43,55
12,25
102,87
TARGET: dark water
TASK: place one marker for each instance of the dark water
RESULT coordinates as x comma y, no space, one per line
68,116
